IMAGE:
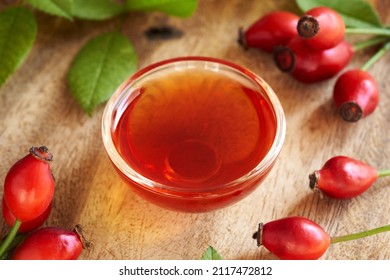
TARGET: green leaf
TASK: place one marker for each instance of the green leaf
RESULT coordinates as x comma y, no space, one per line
211,254
18,29
61,8
97,9
355,13
99,68
178,8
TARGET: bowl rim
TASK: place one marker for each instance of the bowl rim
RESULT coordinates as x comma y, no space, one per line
142,181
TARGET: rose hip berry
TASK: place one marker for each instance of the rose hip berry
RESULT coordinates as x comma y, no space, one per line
293,238
25,226
322,28
309,66
298,238
343,177
355,95
29,185
51,243
273,29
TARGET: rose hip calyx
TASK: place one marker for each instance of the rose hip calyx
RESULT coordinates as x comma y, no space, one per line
79,231
241,38
258,234
351,111
41,153
308,26
284,58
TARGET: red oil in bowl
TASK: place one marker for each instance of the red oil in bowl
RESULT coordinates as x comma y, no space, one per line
193,134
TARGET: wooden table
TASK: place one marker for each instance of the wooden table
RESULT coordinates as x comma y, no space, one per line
37,108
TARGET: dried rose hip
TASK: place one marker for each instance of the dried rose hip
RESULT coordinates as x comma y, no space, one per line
271,30
355,95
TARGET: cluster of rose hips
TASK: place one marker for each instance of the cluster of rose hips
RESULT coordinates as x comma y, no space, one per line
312,48
26,205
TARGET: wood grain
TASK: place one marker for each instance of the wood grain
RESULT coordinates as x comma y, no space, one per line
37,108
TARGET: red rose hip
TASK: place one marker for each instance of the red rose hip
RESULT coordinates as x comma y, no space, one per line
298,238
322,28
29,185
355,95
309,66
273,29
51,243
343,177
293,238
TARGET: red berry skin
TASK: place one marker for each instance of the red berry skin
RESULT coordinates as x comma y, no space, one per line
25,226
295,238
29,185
49,243
310,66
343,177
273,29
355,94
322,28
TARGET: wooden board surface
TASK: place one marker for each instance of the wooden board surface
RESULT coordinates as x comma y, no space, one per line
37,108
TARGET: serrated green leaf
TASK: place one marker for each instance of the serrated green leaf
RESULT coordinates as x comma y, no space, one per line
211,254
18,29
99,68
97,9
355,13
61,8
178,8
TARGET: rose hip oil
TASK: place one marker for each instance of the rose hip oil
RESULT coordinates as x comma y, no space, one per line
194,129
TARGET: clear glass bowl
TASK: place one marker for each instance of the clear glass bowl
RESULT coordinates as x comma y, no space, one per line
187,98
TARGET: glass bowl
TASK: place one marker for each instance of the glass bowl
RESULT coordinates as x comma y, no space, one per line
193,134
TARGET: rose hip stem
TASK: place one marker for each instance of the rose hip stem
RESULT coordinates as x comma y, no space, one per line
376,56
371,31
370,42
383,173
10,237
359,235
